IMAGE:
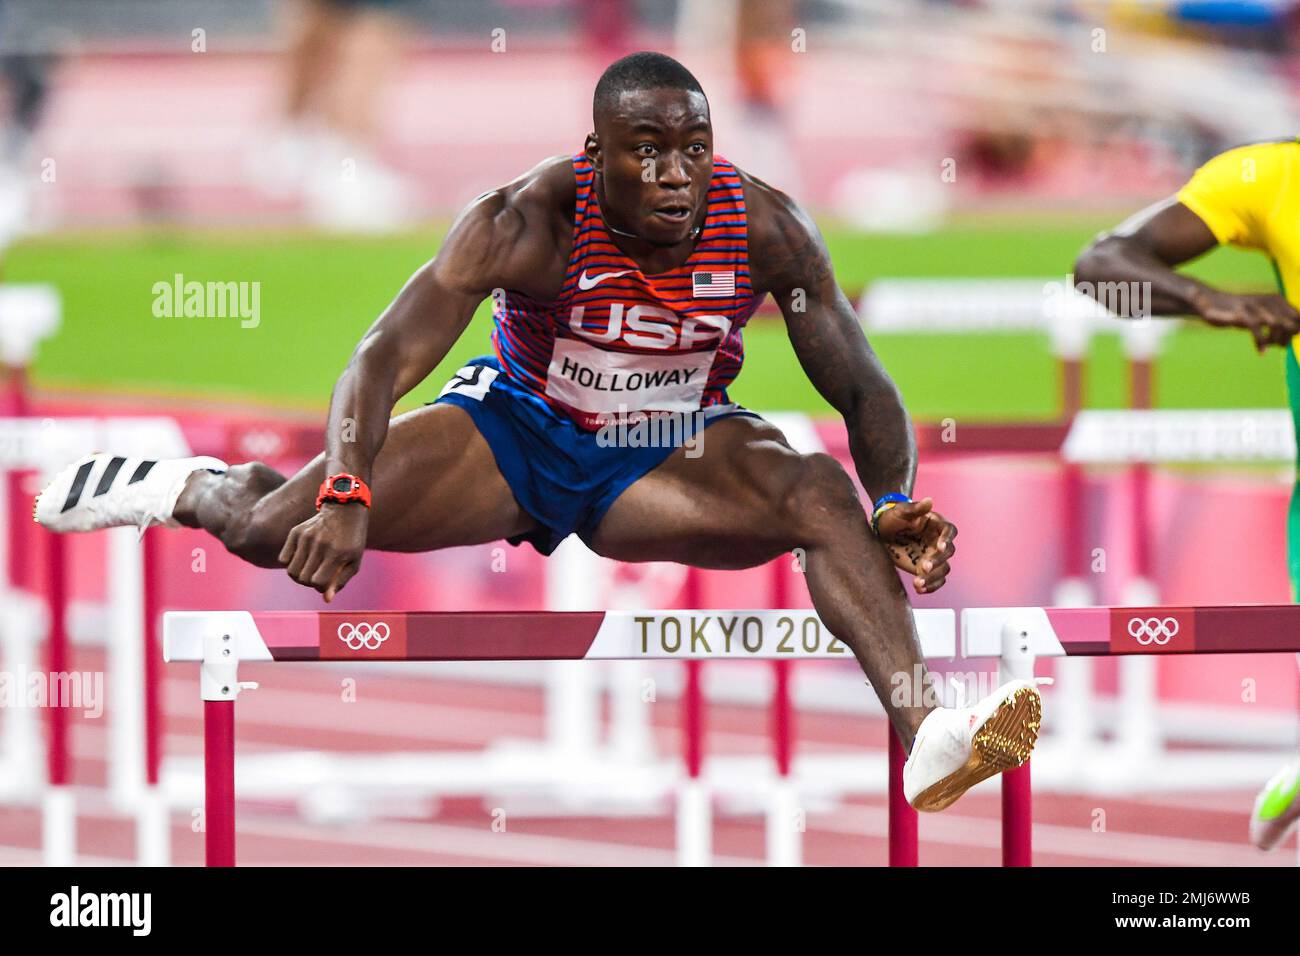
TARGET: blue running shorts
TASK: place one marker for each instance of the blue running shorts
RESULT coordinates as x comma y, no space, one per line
563,475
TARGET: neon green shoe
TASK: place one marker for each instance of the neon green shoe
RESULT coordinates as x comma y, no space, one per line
1277,807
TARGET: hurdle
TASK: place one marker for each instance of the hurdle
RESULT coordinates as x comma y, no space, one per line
29,313
1135,440
1142,437
1020,635
31,445
572,768
1015,636
220,640
1051,306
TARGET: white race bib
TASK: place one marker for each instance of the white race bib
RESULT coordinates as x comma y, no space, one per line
606,383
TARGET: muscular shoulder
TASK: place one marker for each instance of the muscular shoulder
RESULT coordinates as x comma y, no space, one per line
516,236
786,249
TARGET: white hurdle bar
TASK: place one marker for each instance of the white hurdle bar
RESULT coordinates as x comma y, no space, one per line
220,640
1049,305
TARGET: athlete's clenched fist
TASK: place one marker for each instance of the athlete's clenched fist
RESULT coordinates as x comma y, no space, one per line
920,542
324,552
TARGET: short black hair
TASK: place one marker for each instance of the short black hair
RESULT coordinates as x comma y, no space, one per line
645,70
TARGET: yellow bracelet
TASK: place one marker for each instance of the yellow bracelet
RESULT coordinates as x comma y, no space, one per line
875,515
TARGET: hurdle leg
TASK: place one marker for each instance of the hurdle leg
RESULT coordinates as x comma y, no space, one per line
153,820
1073,590
23,621
1017,817
903,843
1138,735
574,582
694,803
1138,738
18,531
1074,675
783,843
58,827
219,686
630,735
125,666
219,782
694,809
58,807
1016,663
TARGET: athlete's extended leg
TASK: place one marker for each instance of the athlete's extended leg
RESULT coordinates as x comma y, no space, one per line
435,484
749,498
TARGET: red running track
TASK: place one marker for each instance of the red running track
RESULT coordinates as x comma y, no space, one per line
301,708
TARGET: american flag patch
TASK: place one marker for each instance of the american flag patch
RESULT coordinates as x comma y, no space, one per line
716,285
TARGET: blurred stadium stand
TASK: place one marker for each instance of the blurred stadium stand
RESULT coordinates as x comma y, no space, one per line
1044,102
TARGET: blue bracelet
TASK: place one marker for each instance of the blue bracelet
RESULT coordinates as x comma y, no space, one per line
884,503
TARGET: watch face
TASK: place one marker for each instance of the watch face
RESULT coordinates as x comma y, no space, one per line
342,485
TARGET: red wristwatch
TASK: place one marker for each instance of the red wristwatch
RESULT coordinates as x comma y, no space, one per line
343,488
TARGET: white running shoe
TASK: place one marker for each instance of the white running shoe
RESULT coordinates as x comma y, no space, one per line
1277,807
957,747
110,491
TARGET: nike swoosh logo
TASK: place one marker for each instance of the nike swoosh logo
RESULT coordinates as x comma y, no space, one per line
585,283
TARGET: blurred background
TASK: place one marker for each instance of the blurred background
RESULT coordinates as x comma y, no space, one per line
957,156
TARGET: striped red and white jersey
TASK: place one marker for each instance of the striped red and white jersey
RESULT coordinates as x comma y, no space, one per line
617,341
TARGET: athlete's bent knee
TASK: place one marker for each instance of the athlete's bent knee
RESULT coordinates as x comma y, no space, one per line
818,498
255,479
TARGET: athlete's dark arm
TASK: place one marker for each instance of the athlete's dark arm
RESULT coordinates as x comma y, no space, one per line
788,250
487,247
841,365
1146,249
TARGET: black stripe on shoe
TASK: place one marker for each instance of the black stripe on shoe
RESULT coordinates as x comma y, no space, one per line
78,485
141,470
106,479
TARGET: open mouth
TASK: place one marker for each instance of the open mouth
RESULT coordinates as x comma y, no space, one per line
674,213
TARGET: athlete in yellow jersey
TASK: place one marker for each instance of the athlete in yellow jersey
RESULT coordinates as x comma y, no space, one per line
1247,197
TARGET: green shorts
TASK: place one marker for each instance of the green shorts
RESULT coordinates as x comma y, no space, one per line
1293,517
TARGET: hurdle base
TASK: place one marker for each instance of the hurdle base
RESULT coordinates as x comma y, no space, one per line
59,826
20,782
694,824
24,624
153,829
785,826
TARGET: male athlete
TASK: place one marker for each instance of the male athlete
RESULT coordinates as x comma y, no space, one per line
621,280
1248,197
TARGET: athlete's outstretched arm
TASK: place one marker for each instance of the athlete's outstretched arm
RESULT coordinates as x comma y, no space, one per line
833,351
403,346
1144,252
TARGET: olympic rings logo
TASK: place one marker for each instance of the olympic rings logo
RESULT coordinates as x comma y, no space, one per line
1152,630
363,635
